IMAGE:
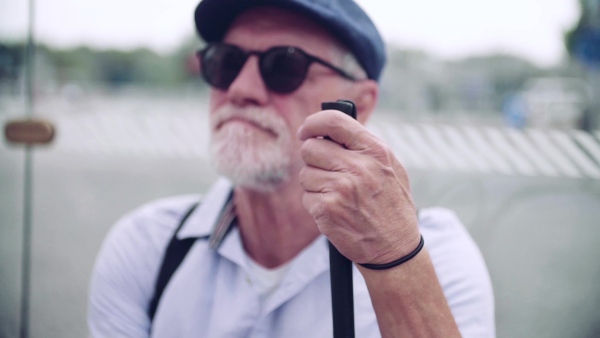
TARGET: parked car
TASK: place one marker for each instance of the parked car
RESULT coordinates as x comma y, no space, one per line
549,102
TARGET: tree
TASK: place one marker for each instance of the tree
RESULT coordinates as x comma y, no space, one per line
583,40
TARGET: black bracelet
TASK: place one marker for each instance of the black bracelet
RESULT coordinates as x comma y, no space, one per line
396,262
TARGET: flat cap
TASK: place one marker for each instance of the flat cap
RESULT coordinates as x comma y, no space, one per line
343,18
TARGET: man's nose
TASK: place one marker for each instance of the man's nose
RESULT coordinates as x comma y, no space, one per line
248,87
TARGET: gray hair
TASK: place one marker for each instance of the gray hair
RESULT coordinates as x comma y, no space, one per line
351,65
347,61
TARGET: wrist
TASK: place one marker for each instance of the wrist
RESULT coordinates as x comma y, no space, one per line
399,261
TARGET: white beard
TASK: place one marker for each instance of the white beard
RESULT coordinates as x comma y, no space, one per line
244,155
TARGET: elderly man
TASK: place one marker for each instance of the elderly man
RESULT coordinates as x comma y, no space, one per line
255,262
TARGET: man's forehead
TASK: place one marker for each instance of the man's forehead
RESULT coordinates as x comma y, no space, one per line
286,22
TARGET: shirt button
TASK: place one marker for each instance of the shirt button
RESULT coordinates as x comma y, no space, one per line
248,280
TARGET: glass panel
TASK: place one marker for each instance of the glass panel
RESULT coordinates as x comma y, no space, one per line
130,129
13,30
14,24
12,170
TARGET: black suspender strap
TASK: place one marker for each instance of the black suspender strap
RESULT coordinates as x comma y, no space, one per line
174,255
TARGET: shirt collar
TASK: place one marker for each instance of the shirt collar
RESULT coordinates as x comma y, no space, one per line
215,209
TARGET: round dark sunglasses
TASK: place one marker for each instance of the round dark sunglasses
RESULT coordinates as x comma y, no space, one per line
282,68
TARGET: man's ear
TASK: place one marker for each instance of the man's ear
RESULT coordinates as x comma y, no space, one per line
365,98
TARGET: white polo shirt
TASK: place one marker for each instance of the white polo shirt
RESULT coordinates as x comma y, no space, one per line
216,293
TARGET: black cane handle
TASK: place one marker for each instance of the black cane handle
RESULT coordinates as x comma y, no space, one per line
340,267
345,106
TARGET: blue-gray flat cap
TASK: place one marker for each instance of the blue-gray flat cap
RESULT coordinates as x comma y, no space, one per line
343,18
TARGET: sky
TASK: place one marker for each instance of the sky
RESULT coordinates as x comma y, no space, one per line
454,29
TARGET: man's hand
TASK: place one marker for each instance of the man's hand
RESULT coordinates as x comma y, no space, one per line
359,196
356,190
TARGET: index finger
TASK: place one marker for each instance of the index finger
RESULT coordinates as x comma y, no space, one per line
335,125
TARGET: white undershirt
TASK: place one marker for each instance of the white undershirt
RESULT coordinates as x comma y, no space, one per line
264,279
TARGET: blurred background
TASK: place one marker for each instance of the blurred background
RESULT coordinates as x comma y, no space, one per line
493,107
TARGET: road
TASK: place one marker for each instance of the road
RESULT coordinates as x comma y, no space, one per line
536,220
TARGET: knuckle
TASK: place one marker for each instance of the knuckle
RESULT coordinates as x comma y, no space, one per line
344,185
303,177
307,149
313,206
332,122
306,202
365,167
382,150
385,148
331,125
365,136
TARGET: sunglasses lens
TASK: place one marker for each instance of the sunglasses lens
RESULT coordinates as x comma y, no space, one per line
284,69
221,64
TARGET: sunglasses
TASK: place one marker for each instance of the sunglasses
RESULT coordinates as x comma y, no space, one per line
282,68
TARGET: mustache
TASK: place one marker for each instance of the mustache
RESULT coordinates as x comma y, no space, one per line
264,118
